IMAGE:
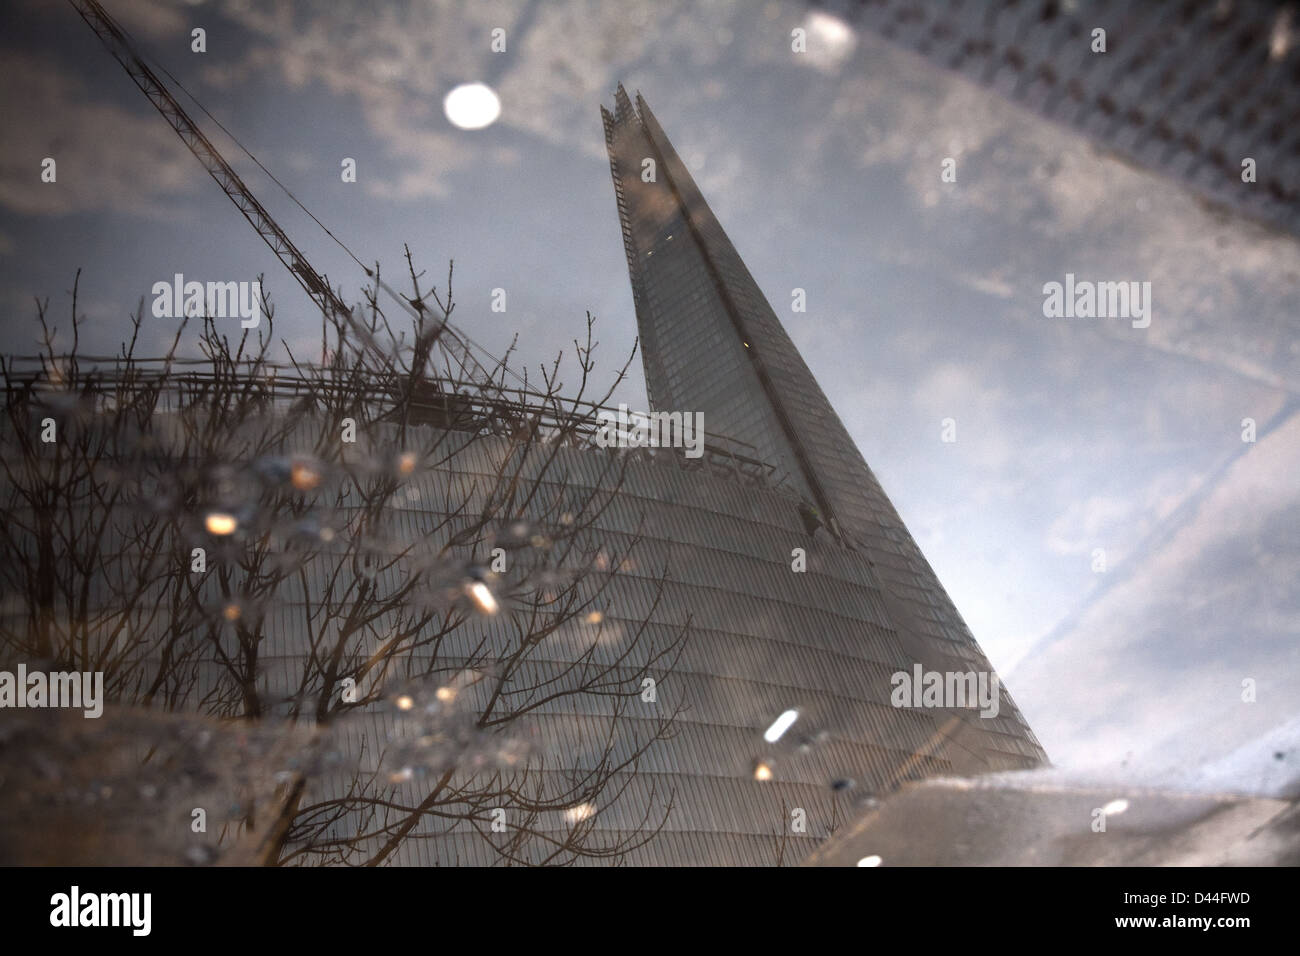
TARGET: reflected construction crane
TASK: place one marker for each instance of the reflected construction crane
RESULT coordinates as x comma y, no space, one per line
454,342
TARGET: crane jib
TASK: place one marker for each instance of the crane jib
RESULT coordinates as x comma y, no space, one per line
313,283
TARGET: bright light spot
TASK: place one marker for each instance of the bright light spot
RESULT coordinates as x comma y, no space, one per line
595,617
483,597
780,726
472,106
1279,40
832,30
405,702
220,523
231,612
582,811
762,771
401,776
830,41
446,694
872,860
1115,806
406,463
304,476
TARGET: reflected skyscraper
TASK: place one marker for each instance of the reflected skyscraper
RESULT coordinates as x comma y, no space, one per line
713,344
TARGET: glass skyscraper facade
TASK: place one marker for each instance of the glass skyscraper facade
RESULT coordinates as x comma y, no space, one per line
713,344
764,638
1188,89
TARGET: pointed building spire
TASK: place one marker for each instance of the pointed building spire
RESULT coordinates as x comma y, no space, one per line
711,343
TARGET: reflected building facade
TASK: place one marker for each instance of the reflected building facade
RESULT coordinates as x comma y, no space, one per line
712,343
780,476
1190,90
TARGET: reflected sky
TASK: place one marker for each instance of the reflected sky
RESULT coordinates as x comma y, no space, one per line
924,297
